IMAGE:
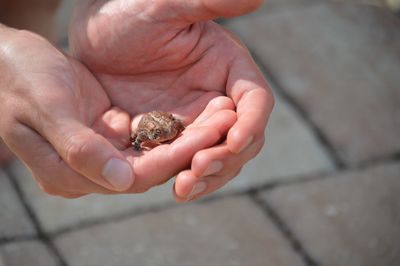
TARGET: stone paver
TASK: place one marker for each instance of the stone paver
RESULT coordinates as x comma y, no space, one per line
228,232
56,212
63,16
342,63
291,150
272,6
30,253
352,219
380,3
13,219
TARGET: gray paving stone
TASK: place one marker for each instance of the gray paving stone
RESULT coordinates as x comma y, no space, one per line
291,150
342,63
352,219
380,3
274,6
61,22
30,253
13,219
55,212
271,6
228,232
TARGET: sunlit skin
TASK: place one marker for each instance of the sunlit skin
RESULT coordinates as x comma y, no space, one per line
64,128
167,55
68,119
38,18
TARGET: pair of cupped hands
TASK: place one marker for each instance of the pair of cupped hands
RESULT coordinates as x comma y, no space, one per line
69,117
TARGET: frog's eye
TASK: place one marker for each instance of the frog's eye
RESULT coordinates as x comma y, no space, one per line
158,131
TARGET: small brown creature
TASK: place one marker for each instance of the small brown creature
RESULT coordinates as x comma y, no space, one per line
155,128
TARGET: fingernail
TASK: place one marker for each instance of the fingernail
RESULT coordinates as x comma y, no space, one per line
213,168
198,188
246,144
118,173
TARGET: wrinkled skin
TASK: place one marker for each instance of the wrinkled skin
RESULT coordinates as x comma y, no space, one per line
58,119
53,107
67,123
168,55
154,128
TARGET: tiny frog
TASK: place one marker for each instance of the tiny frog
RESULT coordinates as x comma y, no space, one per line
155,128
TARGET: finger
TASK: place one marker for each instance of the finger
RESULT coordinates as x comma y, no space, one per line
184,186
215,105
91,155
114,125
50,171
203,10
191,110
254,102
85,151
212,184
186,11
219,159
217,162
203,187
172,158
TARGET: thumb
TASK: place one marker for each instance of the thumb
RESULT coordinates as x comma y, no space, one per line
203,10
92,156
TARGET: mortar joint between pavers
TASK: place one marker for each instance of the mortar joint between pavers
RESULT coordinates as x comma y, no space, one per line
41,235
284,229
334,156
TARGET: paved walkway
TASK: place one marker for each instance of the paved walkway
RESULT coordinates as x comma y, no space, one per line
324,191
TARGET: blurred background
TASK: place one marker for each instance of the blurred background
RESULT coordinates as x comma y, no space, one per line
325,190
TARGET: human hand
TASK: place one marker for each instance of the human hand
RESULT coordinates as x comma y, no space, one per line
59,120
167,55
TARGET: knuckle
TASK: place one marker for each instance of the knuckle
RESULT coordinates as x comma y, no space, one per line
232,169
221,102
201,158
77,147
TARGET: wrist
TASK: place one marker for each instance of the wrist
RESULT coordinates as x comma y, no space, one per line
3,28
8,51
4,40
14,39
6,34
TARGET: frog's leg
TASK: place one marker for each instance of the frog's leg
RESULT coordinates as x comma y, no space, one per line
138,139
133,137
